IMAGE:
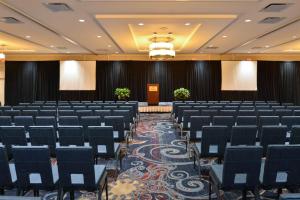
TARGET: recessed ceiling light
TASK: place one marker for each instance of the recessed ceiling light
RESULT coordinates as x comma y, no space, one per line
249,52
28,36
68,52
224,36
141,24
116,52
52,46
294,36
187,24
248,20
99,36
81,20
211,45
109,45
267,46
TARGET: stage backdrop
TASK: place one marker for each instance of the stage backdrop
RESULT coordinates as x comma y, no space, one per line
29,81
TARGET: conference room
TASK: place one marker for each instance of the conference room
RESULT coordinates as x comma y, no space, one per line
150,99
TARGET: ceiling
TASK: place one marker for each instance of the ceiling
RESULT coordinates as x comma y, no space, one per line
126,26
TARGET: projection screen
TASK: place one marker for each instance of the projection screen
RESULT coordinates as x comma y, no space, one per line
77,75
239,75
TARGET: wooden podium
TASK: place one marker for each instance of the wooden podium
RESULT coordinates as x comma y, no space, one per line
152,94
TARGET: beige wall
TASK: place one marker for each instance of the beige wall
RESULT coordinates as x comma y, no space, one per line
2,80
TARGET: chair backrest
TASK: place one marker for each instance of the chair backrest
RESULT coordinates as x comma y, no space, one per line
117,122
33,167
50,112
66,113
46,121
32,113
73,162
87,121
295,135
197,122
246,120
241,167
81,107
247,113
43,135
283,112
102,114
12,135
101,138
210,113
70,135
281,167
126,117
180,110
265,112
5,178
213,141
80,113
68,121
11,113
228,113
228,121
187,117
290,121
5,121
95,107
243,135
272,134
25,121
267,120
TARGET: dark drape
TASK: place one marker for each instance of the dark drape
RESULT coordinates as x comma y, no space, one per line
279,81
30,81
203,78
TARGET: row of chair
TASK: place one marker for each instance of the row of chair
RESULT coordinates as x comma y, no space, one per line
244,169
33,169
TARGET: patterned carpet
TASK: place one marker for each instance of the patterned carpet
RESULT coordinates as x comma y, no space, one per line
157,167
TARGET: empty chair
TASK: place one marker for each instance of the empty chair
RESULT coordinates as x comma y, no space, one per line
3,108
287,104
70,135
8,176
265,112
278,107
101,138
80,113
62,108
33,107
243,135
290,121
48,108
228,113
34,169
243,107
295,135
81,107
210,113
227,121
267,120
272,134
117,122
87,121
281,167
20,107
197,123
12,135
102,113
5,121
66,113
247,113
25,121
46,121
186,123
68,121
43,135
32,113
231,107
290,196
212,144
246,120
94,107
180,112
240,171
110,107
297,112
77,171
48,113
283,112
175,106
128,125
11,113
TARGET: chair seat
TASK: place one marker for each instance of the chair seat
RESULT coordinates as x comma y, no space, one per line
13,174
102,148
289,196
198,134
100,172
55,173
217,173
212,149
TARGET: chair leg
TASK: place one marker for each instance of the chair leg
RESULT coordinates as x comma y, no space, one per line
72,195
99,194
106,188
2,191
244,194
209,189
59,194
120,158
194,156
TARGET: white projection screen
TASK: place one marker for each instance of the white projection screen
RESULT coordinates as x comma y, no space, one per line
77,75
239,75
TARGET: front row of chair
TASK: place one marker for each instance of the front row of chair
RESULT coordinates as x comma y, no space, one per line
244,169
33,170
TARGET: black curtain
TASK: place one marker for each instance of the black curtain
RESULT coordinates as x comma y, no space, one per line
30,81
203,78
279,81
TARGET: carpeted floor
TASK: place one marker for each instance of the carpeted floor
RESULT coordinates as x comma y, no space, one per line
157,167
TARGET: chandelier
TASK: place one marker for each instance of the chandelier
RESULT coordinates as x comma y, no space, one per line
161,47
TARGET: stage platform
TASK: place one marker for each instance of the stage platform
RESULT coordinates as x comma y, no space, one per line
163,107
